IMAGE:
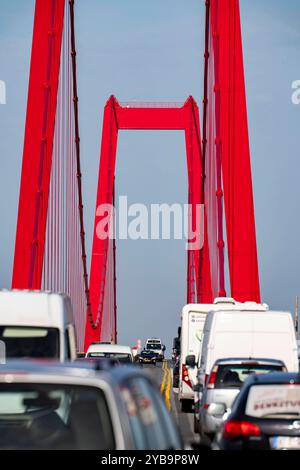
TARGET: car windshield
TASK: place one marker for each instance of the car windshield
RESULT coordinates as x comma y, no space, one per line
234,375
44,416
273,401
121,357
22,341
153,346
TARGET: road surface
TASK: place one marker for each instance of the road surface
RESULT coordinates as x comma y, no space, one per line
162,374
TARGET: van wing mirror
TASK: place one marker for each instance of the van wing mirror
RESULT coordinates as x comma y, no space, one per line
72,341
216,409
163,347
190,360
197,387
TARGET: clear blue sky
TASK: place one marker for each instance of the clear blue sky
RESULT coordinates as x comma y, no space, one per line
152,51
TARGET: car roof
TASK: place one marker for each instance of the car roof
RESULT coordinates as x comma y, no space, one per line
229,360
104,347
248,308
80,369
273,378
39,308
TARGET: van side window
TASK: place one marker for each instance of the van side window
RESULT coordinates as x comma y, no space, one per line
67,343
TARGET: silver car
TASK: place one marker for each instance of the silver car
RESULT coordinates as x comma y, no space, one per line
76,406
223,385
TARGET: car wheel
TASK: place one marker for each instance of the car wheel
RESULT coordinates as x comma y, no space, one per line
196,425
186,406
210,436
154,363
206,436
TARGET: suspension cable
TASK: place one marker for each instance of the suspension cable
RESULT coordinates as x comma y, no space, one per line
94,324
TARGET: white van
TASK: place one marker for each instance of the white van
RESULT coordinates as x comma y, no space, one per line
106,350
36,324
250,334
192,324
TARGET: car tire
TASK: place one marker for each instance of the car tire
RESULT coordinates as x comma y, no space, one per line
186,406
209,436
196,425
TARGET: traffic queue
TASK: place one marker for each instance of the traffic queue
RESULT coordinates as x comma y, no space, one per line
236,370
53,397
236,367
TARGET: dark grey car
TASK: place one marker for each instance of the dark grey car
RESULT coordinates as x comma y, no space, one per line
224,383
265,415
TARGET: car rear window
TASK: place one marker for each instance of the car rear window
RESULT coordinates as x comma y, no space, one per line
54,417
273,401
234,375
121,357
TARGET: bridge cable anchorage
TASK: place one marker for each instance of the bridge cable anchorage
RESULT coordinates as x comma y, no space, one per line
94,324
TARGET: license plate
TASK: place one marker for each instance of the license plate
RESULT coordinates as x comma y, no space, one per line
285,442
147,360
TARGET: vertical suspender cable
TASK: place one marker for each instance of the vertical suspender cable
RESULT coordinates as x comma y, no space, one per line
95,324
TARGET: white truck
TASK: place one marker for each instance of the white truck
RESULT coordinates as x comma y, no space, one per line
156,345
37,324
192,324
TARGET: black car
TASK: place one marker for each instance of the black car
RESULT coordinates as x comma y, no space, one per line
264,416
147,356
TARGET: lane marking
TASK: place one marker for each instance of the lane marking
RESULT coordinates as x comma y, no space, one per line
166,384
167,392
162,387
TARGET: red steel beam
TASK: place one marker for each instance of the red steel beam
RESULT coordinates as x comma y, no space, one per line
38,143
100,246
233,140
116,116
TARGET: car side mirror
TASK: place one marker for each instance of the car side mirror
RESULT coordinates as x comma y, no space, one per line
197,388
164,348
190,360
216,409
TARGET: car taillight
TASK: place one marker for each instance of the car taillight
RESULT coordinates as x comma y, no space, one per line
185,376
234,429
212,378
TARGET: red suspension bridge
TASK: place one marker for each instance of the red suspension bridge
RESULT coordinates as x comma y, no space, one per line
50,251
